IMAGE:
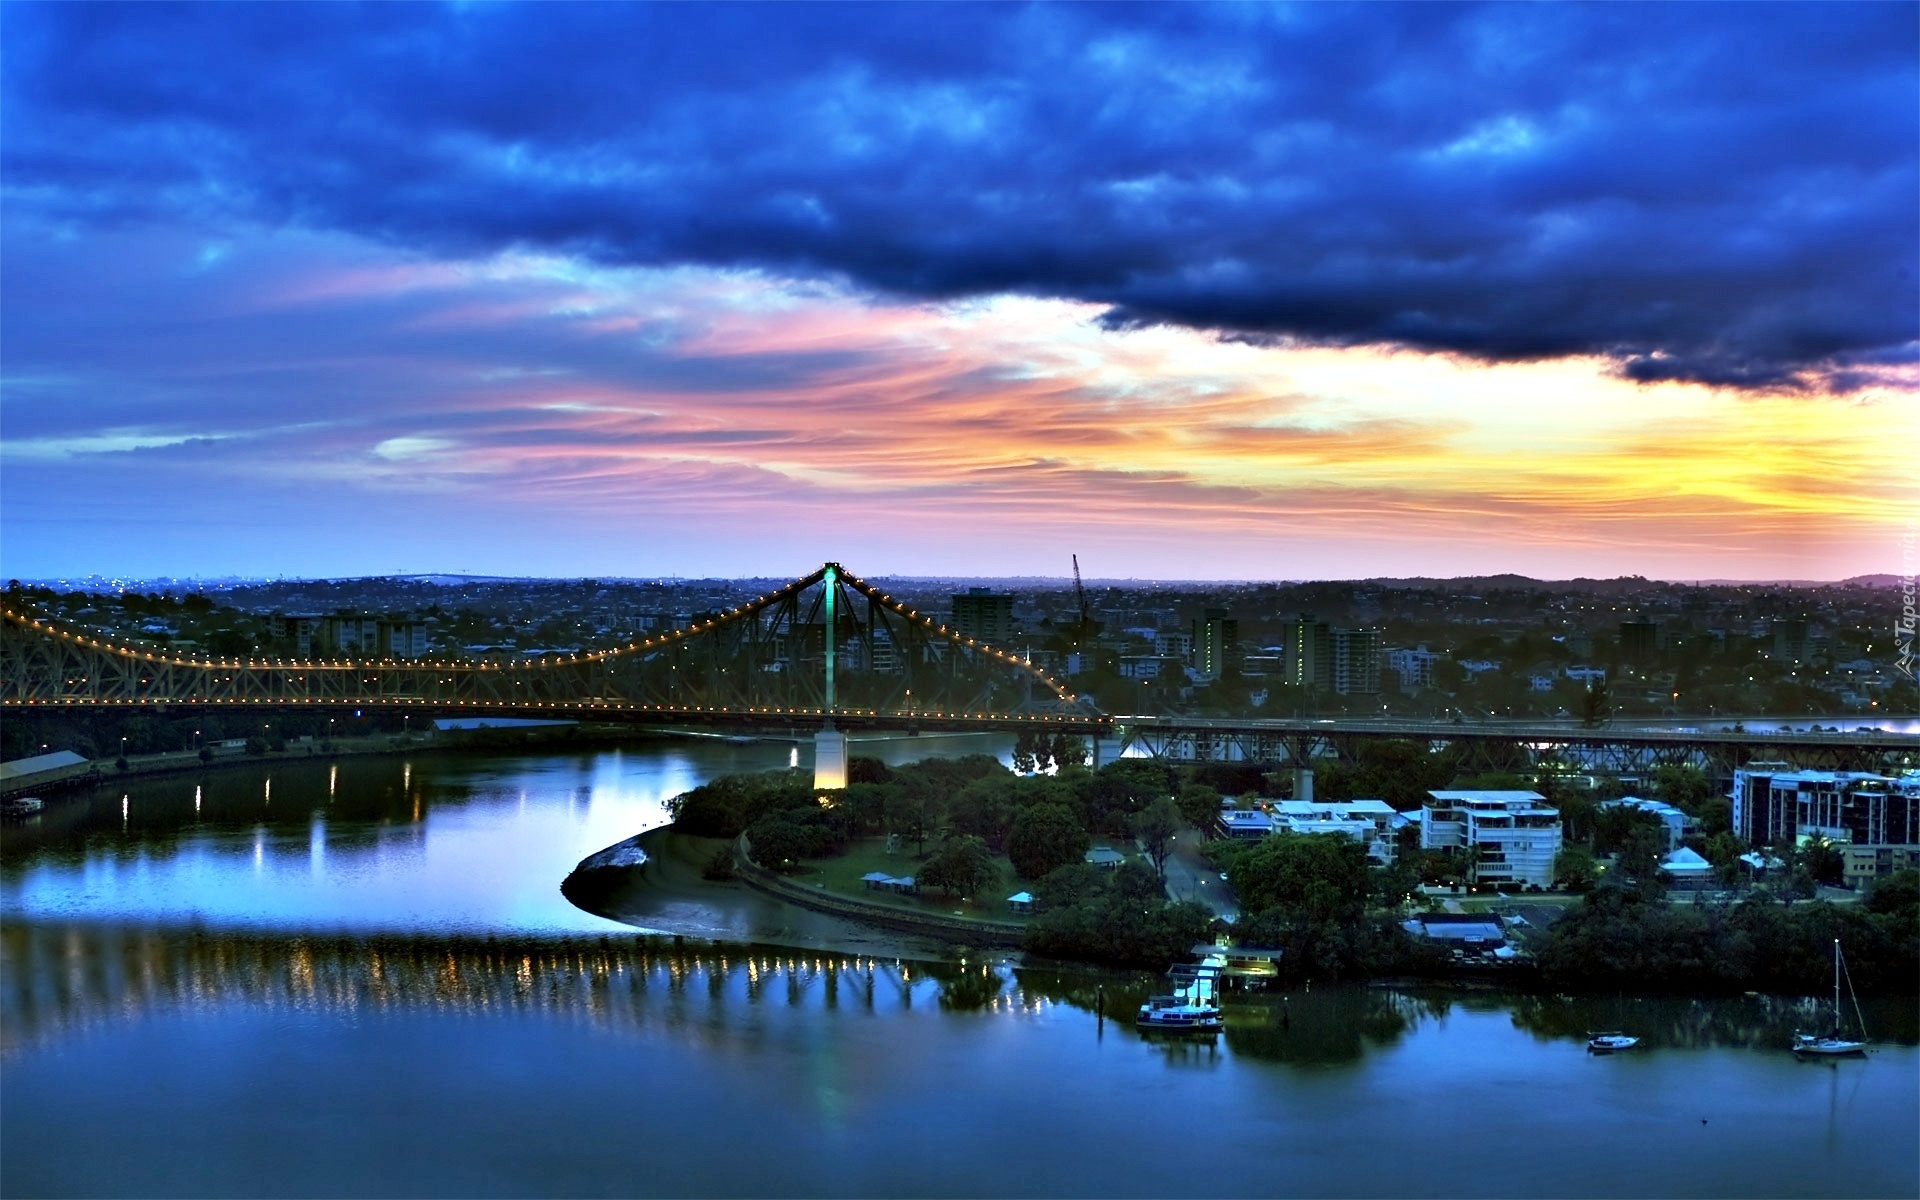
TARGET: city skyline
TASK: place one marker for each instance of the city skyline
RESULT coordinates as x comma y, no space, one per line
1195,293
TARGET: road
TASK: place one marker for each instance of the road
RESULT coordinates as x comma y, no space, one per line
1191,877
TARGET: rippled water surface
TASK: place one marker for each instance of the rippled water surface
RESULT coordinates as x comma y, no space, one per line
430,841
364,981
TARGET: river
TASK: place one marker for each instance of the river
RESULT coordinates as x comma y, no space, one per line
359,978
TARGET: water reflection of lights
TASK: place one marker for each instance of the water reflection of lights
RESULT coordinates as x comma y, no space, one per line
62,977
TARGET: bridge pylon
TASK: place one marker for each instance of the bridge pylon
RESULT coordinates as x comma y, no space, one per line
829,759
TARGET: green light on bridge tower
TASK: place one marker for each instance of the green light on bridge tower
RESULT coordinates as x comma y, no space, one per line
830,745
832,579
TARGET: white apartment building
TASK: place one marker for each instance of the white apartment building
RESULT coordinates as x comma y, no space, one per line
1173,643
1372,823
1414,667
1674,824
1517,834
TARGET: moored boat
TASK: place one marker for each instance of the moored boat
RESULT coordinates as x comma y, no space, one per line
1833,1044
1192,1007
1609,1042
21,806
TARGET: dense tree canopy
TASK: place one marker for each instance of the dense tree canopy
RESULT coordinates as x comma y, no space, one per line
1044,837
961,866
1317,876
1617,938
726,806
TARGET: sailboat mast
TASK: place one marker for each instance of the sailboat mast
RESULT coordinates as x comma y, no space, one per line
1836,987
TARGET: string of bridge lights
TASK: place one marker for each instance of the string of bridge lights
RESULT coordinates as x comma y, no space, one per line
738,612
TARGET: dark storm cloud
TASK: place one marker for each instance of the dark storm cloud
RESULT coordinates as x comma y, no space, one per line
1715,193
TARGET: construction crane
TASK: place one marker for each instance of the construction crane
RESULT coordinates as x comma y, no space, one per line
1086,627
1079,594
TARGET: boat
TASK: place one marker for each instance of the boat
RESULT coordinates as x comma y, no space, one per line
1610,1041
1192,1007
1832,1044
21,806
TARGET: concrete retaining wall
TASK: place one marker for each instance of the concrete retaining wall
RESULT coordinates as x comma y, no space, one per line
1000,934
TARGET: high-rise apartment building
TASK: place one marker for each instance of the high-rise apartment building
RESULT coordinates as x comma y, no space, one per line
1216,638
1790,642
1638,639
1309,653
985,616
1773,803
1356,662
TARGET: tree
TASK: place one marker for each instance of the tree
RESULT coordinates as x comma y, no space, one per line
1577,815
1894,893
1682,785
1155,826
866,804
1596,704
1613,827
1043,838
1067,751
1130,784
910,815
1640,854
776,842
1026,754
1398,771
984,809
1714,816
1574,869
1823,861
1723,850
961,866
1199,804
1316,876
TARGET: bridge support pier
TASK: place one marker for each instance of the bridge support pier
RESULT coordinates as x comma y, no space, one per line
829,759
1303,783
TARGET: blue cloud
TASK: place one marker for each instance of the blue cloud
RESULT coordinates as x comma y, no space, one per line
1722,193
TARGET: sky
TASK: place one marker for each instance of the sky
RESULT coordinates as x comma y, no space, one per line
1191,291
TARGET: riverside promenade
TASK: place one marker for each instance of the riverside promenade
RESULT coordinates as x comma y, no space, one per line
967,931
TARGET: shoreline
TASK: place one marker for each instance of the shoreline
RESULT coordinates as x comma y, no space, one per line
667,895
101,772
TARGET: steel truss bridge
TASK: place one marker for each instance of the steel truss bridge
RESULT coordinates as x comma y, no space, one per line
831,648
1526,746
826,648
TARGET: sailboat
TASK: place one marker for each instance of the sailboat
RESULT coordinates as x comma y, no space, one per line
1832,1045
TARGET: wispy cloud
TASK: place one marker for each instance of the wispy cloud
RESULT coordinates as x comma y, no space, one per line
698,404
109,442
